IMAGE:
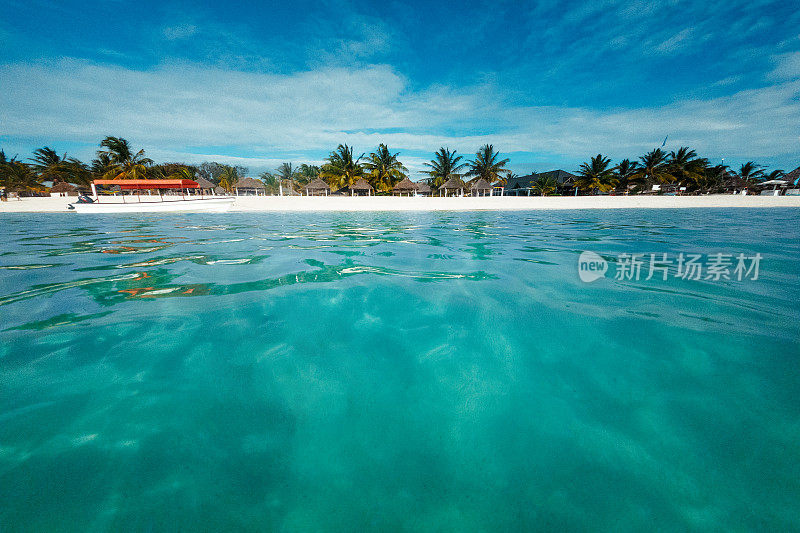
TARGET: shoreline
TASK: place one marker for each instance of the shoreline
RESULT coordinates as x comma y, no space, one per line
485,203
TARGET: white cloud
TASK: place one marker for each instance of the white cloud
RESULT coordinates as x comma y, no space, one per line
730,80
787,66
676,42
181,31
264,116
255,164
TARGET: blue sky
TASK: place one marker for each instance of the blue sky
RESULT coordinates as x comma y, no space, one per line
548,83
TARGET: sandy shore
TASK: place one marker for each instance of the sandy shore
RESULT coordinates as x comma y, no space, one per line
389,203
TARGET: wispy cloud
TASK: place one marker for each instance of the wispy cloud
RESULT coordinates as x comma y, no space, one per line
265,115
181,31
557,80
676,42
787,66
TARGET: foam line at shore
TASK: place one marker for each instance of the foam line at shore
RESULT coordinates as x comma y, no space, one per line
496,203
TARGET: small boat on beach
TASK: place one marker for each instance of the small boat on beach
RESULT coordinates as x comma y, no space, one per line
181,198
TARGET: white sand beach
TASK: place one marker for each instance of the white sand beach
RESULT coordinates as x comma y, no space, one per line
497,203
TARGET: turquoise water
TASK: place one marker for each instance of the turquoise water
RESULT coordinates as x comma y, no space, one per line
425,372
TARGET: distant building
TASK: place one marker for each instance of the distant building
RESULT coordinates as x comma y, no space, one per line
63,188
317,187
521,185
793,182
480,187
423,189
452,187
205,186
361,188
405,187
249,187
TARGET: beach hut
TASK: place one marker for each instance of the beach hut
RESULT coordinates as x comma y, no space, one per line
317,187
480,187
423,189
249,187
361,188
452,187
733,184
63,188
406,187
205,186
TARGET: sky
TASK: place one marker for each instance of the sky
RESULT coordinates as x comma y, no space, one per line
549,84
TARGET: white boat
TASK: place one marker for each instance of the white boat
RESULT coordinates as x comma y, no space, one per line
150,203
218,204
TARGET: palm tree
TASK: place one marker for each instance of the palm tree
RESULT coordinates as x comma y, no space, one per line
183,173
76,171
444,165
712,179
686,167
228,178
286,172
307,173
487,165
122,162
18,177
544,185
652,169
596,175
774,175
342,169
384,170
270,182
751,173
510,177
48,164
624,171
101,165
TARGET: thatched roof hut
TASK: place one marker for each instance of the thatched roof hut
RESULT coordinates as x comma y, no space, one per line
361,187
406,186
63,188
480,187
317,187
249,186
452,186
205,184
249,183
219,190
423,188
733,183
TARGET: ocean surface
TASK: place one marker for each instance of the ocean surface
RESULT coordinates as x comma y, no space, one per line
399,372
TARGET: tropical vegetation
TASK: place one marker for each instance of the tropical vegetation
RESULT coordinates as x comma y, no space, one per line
544,185
342,169
597,175
623,172
487,165
652,170
383,169
444,165
116,158
124,163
